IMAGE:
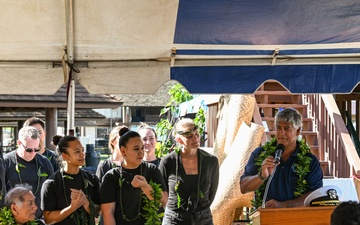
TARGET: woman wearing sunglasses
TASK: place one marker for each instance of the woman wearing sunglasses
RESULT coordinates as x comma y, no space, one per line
192,177
24,165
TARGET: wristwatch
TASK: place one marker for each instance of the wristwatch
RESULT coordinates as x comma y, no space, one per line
261,177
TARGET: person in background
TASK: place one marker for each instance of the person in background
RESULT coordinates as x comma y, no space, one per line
70,196
149,138
296,162
2,180
116,158
347,213
24,165
21,201
123,188
40,126
191,176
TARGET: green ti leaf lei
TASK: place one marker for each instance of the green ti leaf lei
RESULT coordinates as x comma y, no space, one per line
7,218
302,168
80,216
151,207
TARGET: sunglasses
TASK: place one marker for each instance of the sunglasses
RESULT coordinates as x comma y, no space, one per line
188,133
30,150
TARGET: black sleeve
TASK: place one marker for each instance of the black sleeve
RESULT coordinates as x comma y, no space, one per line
48,196
109,187
99,170
157,177
164,172
95,186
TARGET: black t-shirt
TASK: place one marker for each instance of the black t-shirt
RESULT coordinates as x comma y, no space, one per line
34,173
174,175
131,197
103,167
156,162
56,191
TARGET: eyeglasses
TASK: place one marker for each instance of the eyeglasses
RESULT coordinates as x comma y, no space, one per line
30,150
189,133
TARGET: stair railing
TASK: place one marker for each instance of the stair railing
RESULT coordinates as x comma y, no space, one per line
335,143
353,134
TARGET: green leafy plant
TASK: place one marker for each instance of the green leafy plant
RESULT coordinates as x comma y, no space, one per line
178,94
7,218
151,207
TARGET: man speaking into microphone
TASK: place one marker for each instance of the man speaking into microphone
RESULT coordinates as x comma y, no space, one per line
294,171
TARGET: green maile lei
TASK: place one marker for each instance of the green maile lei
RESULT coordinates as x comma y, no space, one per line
151,207
302,168
19,166
177,182
80,216
7,218
121,184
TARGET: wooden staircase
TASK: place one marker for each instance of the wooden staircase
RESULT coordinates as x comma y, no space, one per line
270,97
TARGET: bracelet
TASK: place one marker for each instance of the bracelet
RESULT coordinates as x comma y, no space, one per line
261,177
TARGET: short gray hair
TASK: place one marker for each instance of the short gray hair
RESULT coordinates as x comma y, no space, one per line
28,132
16,195
289,115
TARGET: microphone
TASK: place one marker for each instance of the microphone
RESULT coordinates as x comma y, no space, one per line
280,148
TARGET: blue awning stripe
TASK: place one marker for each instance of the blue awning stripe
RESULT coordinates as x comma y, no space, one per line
247,79
268,52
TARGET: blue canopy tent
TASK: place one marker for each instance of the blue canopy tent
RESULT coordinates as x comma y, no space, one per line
308,46
209,46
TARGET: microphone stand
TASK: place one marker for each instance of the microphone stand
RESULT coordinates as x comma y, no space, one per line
267,186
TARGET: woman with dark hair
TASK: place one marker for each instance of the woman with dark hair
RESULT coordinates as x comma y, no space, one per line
123,188
70,196
116,158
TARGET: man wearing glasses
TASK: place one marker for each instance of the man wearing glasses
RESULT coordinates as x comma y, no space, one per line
39,124
24,165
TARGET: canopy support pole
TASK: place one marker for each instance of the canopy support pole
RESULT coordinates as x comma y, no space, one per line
69,7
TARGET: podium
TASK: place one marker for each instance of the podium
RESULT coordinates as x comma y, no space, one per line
293,216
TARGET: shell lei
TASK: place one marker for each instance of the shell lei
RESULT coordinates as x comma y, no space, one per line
302,168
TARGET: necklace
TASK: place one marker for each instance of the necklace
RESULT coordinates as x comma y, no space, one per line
39,174
121,183
177,182
80,215
302,168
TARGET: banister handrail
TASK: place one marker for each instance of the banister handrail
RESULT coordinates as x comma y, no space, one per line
334,139
353,134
